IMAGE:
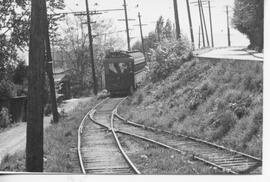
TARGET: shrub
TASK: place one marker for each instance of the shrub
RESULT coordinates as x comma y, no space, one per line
222,124
5,118
47,109
168,56
7,89
138,99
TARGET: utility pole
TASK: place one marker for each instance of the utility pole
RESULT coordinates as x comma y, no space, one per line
177,24
228,26
201,23
49,71
140,23
127,29
91,48
211,26
35,102
206,33
199,44
190,24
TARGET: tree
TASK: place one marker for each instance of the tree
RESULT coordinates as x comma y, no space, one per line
248,18
163,31
159,27
20,73
34,142
73,47
15,26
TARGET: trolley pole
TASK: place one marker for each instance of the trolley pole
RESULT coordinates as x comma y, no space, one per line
127,29
178,33
228,26
91,48
201,23
140,23
211,25
190,24
206,33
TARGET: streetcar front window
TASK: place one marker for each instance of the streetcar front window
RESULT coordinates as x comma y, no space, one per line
118,68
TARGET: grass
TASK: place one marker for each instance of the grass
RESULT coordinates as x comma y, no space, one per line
217,101
60,144
152,159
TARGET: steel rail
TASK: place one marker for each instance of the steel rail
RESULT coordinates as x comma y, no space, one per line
188,137
259,161
80,132
121,149
90,115
169,147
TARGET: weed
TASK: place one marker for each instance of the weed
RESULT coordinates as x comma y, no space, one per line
139,99
222,125
217,101
5,118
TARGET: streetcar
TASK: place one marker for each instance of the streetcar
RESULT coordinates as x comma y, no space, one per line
124,71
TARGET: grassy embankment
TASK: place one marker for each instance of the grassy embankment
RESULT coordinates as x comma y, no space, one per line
60,144
217,101
152,159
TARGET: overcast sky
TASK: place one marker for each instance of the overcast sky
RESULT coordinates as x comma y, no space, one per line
152,9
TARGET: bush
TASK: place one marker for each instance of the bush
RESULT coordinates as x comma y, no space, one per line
222,124
7,89
248,19
168,57
47,109
5,118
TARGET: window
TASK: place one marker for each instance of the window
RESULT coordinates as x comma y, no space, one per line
118,68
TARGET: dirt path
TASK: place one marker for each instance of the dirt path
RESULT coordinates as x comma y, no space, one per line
14,139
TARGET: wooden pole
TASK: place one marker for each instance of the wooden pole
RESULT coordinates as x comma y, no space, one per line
177,24
35,104
206,33
228,27
200,13
49,71
127,28
199,44
190,24
140,23
211,25
91,48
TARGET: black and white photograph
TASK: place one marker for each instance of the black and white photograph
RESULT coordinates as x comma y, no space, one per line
132,88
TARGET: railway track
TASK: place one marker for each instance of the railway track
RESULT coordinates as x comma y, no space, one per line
229,161
99,149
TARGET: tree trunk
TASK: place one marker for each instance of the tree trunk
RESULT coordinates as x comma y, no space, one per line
34,143
49,71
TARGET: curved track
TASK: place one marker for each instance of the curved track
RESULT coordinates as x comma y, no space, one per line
100,151
98,147
230,161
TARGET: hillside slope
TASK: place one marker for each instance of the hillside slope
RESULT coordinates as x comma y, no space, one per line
217,101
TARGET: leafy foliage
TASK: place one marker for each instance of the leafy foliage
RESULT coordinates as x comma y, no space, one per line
72,52
20,73
15,26
5,118
248,19
7,89
168,56
163,31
